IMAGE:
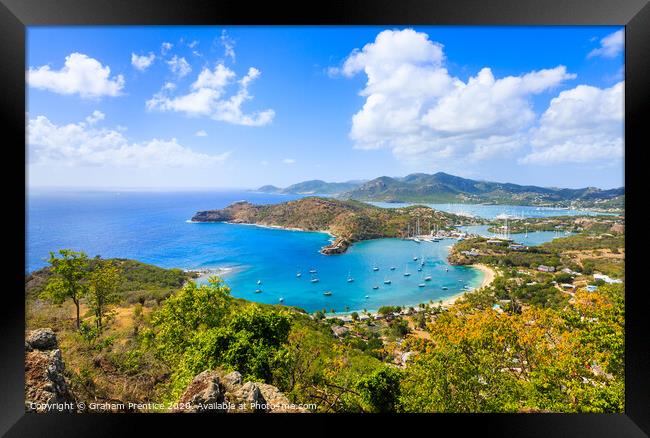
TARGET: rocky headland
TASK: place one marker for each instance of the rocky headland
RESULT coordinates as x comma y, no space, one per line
347,221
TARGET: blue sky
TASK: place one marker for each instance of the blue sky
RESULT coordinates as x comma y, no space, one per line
246,106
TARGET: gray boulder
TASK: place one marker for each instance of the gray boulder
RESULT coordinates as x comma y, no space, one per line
217,391
41,339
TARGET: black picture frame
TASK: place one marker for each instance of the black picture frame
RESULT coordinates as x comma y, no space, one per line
16,15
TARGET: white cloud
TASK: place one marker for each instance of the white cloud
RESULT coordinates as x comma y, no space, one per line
418,110
583,124
216,80
165,47
289,161
80,74
193,44
79,145
228,45
179,66
610,46
208,98
95,117
142,62
201,133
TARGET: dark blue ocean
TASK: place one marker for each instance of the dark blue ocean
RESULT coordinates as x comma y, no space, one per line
153,227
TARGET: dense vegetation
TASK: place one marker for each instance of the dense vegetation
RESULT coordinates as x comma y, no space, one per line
500,254
138,282
585,242
535,359
521,344
576,224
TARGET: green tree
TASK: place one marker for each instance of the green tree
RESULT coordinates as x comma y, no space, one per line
185,312
380,390
385,310
103,288
354,315
70,274
200,327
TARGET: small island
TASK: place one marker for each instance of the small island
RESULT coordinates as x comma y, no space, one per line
347,221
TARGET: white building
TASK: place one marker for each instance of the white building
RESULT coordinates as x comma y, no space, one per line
607,279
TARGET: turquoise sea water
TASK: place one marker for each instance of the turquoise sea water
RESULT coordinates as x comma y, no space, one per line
492,211
534,238
153,227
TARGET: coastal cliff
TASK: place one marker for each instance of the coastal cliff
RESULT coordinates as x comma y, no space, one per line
347,221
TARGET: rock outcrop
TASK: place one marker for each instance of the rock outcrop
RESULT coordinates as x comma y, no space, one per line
41,339
339,246
216,391
45,387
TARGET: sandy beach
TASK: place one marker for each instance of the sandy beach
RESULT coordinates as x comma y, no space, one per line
278,227
488,274
488,277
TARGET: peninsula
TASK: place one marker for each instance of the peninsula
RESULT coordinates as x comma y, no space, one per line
348,221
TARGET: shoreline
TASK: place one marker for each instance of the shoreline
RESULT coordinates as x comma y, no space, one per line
489,274
274,227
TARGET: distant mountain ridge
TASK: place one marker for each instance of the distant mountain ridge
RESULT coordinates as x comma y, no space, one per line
442,188
313,187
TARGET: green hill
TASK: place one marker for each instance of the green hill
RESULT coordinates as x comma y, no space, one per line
443,188
350,221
